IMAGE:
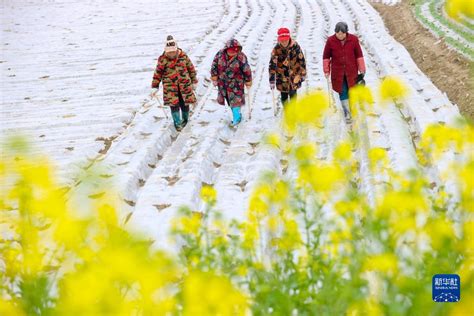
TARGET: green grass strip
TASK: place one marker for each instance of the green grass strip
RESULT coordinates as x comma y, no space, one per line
435,12
460,47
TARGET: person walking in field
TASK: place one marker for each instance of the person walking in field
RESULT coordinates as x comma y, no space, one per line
344,61
287,69
231,73
178,75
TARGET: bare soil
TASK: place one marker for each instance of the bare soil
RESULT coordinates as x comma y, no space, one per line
448,70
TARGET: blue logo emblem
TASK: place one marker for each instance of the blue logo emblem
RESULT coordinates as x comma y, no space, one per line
446,288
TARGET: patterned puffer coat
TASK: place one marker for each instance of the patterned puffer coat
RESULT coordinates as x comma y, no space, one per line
231,73
177,75
287,67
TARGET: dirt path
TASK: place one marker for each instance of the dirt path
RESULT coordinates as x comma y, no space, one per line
447,69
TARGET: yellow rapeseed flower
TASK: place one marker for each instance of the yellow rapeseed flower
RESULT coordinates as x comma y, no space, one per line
259,202
348,207
392,89
439,231
403,224
399,204
468,237
273,223
339,237
322,178
439,138
441,199
280,192
250,235
305,152
220,296
343,152
308,110
458,8
378,157
360,98
188,224
422,157
242,270
273,140
208,194
466,184
386,263
291,237
76,299
35,172
8,308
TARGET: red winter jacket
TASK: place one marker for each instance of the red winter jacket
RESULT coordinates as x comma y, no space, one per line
343,58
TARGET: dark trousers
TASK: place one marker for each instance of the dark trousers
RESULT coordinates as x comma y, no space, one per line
285,95
226,98
344,95
181,105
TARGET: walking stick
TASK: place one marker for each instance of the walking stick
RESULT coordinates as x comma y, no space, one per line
274,105
331,99
307,81
161,106
250,105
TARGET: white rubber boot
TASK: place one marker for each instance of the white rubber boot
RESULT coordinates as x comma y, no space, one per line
347,111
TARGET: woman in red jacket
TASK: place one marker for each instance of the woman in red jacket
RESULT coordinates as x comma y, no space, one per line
343,59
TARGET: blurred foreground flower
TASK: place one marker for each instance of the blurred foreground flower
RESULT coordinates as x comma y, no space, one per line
307,111
392,89
208,194
460,8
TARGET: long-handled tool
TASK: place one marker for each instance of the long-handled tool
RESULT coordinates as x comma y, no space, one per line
274,103
330,95
250,104
160,105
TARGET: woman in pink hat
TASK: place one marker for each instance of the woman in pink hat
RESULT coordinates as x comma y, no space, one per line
287,66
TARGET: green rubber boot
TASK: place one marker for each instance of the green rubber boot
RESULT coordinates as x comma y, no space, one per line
185,118
177,120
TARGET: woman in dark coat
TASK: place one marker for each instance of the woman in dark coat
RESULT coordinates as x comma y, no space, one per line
287,67
343,59
231,73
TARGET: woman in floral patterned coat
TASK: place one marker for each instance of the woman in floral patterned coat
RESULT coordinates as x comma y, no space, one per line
178,75
231,72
